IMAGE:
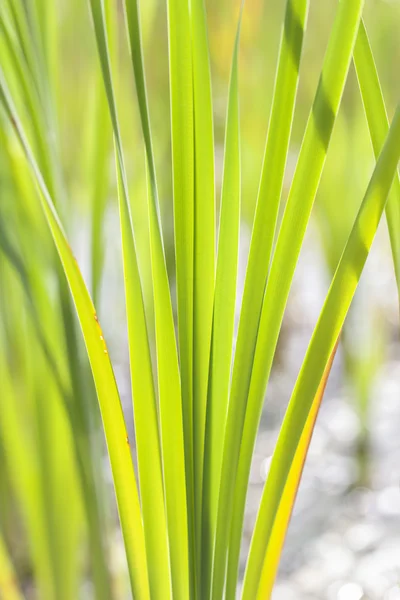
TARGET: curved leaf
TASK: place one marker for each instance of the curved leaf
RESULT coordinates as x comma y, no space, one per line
246,398
110,405
169,384
276,149
318,355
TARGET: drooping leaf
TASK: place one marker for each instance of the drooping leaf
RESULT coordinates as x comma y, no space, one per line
110,406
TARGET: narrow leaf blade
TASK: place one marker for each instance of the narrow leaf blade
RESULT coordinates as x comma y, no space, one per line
375,110
276,150
110,406
283,514
246,399
319,353
143,392
182,128
222,332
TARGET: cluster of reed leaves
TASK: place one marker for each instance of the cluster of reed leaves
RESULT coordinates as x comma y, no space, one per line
49,451
197,412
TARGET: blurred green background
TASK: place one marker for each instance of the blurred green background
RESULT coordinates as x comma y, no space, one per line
57,511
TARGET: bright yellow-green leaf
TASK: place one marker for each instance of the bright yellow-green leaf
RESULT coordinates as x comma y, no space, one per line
378,124
182,138
248,389
276,149
169,383
222,336
319,353
110,406
204,248
144,399
283,514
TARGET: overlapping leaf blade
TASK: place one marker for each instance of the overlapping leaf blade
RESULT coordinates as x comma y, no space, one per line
282,515
222,331
317,359
146,419
246,397
113,419
169,385
375,110
194,461
204,248
182,132
305,183
269,194
39,307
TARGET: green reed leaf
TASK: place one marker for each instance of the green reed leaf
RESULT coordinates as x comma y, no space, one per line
319,353
222,333
110,406
375,110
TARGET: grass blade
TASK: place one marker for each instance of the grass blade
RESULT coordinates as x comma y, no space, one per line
19,21
319,354
223,329
146,419
136,52
182,130
39,307
169,385
204,248
181,91
29,93
171,423
110,406
269,194
246,401
37,96
100,142
283,514
375,110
